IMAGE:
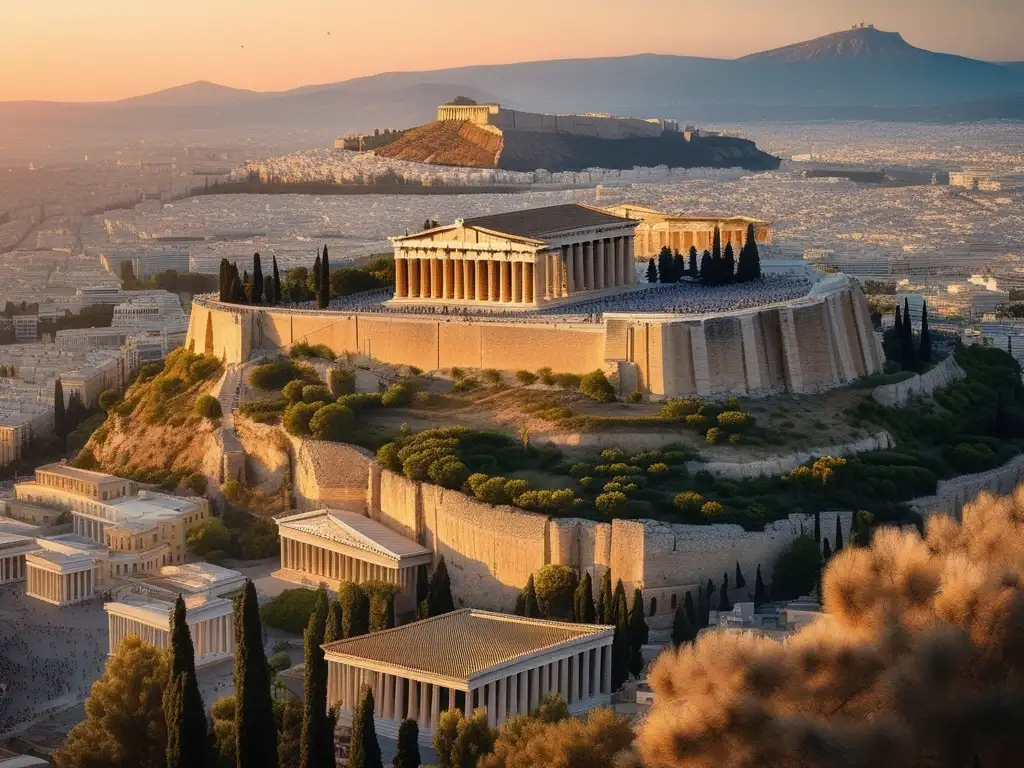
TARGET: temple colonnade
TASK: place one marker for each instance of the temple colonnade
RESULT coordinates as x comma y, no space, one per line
57,586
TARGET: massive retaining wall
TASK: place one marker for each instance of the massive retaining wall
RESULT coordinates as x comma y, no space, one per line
952,495
810,344
492,550
942,375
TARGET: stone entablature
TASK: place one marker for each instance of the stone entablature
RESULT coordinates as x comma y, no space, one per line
466,660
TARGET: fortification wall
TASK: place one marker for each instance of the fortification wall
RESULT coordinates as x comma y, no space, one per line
582,125
952,495
942,375
807,345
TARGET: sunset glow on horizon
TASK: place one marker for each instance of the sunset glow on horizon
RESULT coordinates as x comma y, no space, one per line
68,50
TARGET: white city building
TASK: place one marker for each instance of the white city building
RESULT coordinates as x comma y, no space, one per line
210,623
13,549
158,262
469,659
60,577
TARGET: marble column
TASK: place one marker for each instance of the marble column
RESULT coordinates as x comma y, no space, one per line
401,278
389,697
588,266
534,689
570,271
587,687
563,680
599,268
578,260
436,278
502,697
460,284
492,709
447,278
617,258
517,282
529,283
524,701
513,695
424,278
468,279
435,706
412,707
505,268
630,265
399,709
494,288
549,275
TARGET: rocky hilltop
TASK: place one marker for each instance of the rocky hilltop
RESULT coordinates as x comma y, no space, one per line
464,144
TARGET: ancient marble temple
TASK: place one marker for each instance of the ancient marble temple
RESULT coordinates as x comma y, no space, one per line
525,259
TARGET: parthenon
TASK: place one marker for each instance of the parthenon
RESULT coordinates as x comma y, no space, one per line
526,259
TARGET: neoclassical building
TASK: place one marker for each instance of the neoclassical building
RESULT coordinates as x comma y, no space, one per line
210,622
525,259
334,546
13,549
60,577
656,230
465,660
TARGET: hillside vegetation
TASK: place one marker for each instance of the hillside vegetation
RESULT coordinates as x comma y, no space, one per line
156,433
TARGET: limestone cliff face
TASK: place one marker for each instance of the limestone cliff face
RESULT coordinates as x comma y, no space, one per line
468,145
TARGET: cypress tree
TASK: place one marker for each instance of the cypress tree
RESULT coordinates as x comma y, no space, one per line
723,595
898,329
925,353
620,639
334,629
754,258
839,535
664,265
604,599
706,268
759,595
355,606
826,551
716,244
363,748
907,340
255,727
257,279
707,602
222,282
729,264
691,611
439,596
740,581
678,267
187,738
531,609
276,281
316,273
583,601
638,634
682,629
60,417
817,527
407,754
652,271
324,293
316,744
693,261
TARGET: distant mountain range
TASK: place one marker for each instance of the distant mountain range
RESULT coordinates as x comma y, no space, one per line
860,73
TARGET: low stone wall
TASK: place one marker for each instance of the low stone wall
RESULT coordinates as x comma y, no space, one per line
782,464
952,495
942,375
492,550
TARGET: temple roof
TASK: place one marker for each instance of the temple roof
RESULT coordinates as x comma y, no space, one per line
552,220
353,530
463,644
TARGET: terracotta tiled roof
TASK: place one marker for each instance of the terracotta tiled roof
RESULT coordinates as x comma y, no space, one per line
462,644
541,222
354,530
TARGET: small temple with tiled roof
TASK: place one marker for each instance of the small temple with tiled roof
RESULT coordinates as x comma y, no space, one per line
469,659
334,546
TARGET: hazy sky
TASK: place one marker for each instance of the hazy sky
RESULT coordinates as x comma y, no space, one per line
80,50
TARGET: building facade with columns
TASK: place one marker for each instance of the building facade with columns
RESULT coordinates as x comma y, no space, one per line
520,260
334,546
60,578
465,660
210,622
13,549
656,230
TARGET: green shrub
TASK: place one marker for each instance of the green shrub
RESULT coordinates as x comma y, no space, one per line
555,585
679,408
568,380
208,407
316,393
275,374
972,457
579,469
526,378
696,421
341,381
612,486
658,468
493,491
491,375
795,572
265,411
361,401
397,395
466,384
613,454
735,439
713,435
712,509
448,472
596,386
279,662
733,421
457,373
297,417
611,504
292,391
290,611
557,502
586,482
197,482
634,398
208,536
302,349
168,387
688,501
108,399
332,422
516,488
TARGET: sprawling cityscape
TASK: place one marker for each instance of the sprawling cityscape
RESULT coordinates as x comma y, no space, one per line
660,409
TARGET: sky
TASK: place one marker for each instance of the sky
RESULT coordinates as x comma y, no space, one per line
95,50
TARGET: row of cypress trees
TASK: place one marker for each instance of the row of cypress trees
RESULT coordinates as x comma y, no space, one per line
718,266
243,289
911,355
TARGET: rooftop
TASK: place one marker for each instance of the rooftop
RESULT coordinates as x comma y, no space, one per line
354,530
463,644
75,473
156,612
539,223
